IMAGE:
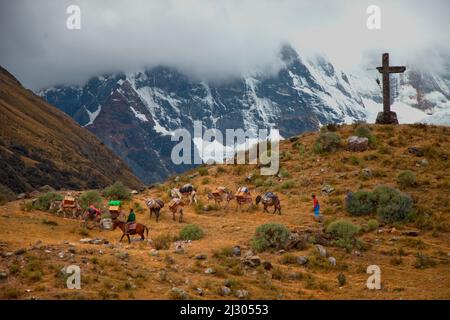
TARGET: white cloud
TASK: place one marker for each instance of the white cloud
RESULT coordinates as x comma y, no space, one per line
213,40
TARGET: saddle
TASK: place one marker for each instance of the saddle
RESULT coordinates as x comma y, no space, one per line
174,202
68,202
218,192
131,226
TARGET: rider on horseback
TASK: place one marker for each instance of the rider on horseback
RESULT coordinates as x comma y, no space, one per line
131,221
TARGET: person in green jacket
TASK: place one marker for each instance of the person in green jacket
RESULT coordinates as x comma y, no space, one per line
131,219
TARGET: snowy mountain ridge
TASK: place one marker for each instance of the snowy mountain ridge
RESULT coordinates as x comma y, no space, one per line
135,113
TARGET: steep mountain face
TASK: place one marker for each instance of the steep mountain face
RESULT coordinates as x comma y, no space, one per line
41,145
135,113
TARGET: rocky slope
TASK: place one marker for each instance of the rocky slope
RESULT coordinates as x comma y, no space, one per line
41,145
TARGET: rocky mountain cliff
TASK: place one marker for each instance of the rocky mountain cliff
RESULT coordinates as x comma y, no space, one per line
41,145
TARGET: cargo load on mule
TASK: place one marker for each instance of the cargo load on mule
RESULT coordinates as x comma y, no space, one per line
69,202
114,208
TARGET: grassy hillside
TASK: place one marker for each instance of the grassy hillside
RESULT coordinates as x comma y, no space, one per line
40,145
413,252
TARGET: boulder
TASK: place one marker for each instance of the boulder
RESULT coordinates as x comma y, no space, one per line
241,294
21,196
224,291
3,275
302,260
327,189
251,261
321,249
416,151
210,271
267,265
366,172
179,293
355,143
236,251
332,261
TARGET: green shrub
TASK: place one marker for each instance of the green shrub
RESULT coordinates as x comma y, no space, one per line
269,182
44,201
288,258
289,184
162,242
423,261
360,203
269,235
258,182
364,131
406,179
191,232
327,142
392,205
117,191
342,229
90,197
372,224
203,171
284,173
5,195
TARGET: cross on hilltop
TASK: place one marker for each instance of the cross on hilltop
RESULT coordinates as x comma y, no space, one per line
387,116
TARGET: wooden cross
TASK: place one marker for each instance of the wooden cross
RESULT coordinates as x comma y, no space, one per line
387,117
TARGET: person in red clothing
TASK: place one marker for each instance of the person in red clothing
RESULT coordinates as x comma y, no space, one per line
93,211
316,206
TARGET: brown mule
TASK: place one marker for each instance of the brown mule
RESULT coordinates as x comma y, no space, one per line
269,201
140,229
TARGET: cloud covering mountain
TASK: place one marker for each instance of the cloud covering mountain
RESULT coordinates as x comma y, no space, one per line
210,40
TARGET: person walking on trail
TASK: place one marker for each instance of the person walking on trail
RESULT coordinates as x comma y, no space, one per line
316,207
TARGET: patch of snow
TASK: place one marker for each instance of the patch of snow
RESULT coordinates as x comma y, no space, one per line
92,115
139,115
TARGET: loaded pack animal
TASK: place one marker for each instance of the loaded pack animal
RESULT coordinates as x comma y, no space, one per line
269,199
140,229
154,206
92,214
221,194
243,196
188,190
176,206
69,206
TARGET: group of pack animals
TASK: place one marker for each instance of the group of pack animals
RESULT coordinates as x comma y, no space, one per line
220,195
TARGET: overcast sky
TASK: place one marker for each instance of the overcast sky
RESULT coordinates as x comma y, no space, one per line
211,40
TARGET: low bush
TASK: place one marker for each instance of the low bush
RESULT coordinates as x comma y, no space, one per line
191,232
5,195
406,179
44,201
372,225
342,229
203,171
364,131
327,142
270,235
392,205
360,203
117,191
90,197
162,242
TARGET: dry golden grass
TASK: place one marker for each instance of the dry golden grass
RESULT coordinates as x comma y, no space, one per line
144,276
